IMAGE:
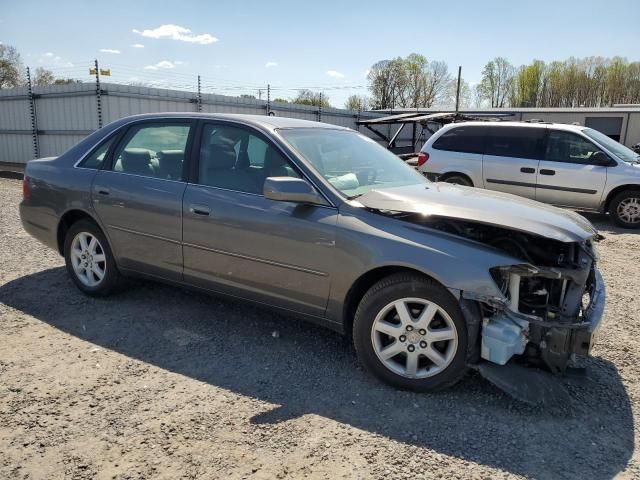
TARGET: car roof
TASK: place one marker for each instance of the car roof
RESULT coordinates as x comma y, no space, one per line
264,121
558,126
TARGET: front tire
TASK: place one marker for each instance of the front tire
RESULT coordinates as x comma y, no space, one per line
409,331
625,209
89,259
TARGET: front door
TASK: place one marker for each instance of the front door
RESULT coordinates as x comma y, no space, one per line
510,160
238,242
567,175
138,198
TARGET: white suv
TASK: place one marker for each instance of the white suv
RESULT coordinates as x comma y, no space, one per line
565,165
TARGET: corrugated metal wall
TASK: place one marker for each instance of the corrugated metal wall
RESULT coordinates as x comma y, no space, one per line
67,113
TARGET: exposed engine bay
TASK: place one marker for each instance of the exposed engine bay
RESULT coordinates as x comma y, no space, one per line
543,318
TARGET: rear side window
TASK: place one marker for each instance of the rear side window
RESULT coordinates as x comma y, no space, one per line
519,142
468,139
96,158
153,150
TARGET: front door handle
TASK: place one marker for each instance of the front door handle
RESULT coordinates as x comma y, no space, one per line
103,191
545,171
528,170
200,210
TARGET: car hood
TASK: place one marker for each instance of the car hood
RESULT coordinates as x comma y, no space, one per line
483,206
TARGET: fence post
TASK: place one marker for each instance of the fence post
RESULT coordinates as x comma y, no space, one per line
320,109
34,118
199,102
98,93
358,115
268,99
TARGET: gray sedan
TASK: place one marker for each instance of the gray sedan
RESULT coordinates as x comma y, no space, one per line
320,221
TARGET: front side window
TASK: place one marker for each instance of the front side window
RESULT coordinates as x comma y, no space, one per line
466,139
569,147
236,159
352,163
518,142
96,158
617,148
153,150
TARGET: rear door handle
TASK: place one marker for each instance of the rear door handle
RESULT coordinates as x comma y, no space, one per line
103,191
200,210
544,171
528,170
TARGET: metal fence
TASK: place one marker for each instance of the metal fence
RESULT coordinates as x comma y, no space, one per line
46,121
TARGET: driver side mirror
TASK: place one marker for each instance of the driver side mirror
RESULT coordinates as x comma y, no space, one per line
290,189
602,159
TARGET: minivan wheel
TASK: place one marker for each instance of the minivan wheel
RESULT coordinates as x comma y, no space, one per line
458,180
409,331
625,209
89,259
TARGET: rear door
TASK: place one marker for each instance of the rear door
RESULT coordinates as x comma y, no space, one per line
138,197
567,175
511,157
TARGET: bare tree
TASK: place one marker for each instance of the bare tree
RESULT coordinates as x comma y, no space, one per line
11,68
497,81
42,77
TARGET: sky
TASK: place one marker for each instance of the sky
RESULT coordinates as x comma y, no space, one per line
241,46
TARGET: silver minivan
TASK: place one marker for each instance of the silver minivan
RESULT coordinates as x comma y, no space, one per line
564,165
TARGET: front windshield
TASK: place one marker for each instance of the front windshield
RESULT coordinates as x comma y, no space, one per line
618,149
352,163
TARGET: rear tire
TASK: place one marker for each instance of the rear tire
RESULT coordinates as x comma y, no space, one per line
89,259
458,180
625,209
409,332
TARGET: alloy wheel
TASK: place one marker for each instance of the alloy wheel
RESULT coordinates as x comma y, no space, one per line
414,337
629,210
88,259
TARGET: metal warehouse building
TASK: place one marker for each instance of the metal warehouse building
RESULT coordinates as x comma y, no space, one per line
622,123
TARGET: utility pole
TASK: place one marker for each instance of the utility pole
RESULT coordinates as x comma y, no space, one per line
199,99
259,94
98,92
458,89
268,99
320,108
34,119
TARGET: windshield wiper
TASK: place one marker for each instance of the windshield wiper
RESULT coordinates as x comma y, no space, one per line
353,197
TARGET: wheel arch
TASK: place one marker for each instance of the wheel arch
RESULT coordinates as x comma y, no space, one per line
67,220
619,189
446,175
364,282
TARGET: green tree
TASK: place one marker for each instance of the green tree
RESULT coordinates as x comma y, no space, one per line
357,102
11,68
308,97
497,81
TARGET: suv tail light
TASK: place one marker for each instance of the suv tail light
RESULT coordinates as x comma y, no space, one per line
25,187
422,158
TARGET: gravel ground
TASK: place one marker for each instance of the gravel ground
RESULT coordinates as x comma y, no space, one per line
158,382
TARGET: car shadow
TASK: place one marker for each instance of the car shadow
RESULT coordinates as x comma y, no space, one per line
306,369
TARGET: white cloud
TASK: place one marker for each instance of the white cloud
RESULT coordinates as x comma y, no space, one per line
163,64
270,64
335,74
109,50
176,32
137,45
50,59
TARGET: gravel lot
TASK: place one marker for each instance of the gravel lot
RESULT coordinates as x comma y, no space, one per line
163,383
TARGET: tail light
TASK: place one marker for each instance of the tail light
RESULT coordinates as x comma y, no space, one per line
25,187
422,158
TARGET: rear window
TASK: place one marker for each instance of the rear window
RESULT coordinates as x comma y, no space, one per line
468,139
519,142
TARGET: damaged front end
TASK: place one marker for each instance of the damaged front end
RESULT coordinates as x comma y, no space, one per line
551,303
